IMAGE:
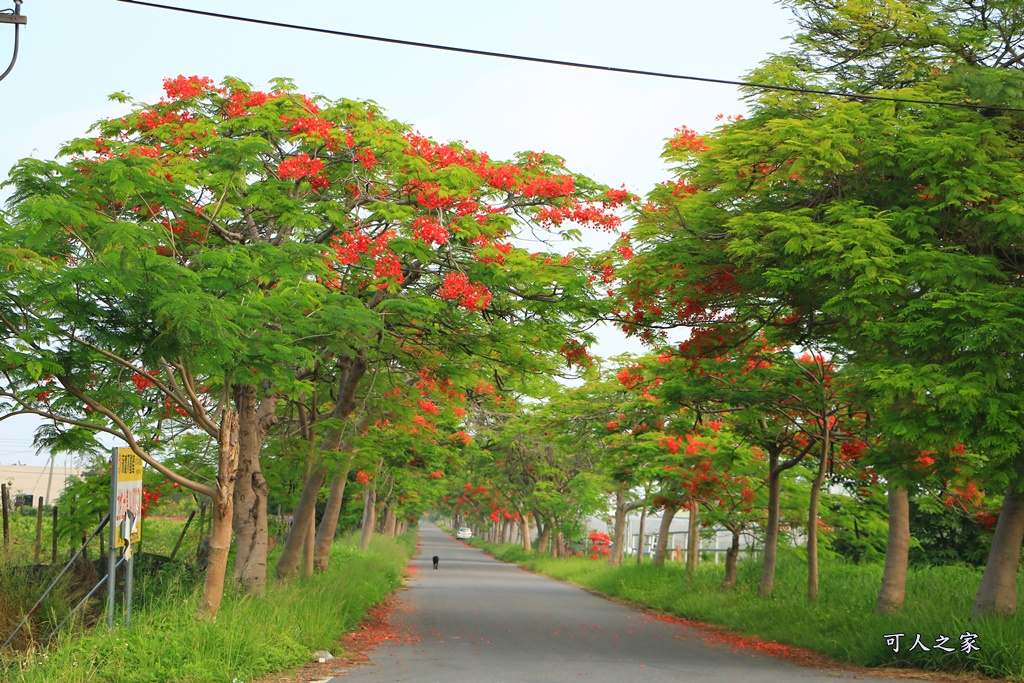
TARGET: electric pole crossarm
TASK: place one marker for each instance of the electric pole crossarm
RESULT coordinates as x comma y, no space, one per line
18,20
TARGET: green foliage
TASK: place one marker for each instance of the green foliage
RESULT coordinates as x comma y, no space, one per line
860,527
82,506
945,535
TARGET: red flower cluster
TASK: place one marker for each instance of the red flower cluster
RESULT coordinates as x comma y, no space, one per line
240,101
617,197
187,86
148,120
600,542
473,297
300,166
428,230
388,267
150,497
314,127
141,382
671,443
630,376
576,354
362,477
350,247
578,213
548,186
366,158
687,138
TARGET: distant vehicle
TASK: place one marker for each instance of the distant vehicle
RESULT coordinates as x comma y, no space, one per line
464,533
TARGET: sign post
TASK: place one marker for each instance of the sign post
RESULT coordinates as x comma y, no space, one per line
125,525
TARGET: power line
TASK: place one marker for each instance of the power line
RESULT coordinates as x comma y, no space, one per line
559,62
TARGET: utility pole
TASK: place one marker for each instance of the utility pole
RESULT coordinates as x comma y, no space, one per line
18,19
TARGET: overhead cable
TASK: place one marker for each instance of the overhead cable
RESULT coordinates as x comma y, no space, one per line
559,62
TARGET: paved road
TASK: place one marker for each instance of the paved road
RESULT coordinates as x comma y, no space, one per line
479,620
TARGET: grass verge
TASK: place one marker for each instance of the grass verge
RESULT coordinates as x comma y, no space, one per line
842,624
251,637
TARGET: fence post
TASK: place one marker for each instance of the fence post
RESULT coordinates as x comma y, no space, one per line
181,537
39,530
54,558
6,512
111,551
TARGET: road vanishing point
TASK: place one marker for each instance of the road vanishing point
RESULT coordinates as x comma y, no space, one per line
478,620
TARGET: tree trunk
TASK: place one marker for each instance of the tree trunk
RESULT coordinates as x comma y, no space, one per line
558,548
307,548
693,540
662,547
643,530
731,557
220,538
524,530
894,578
543,531
329,521
369,513
771,533
288,563
619,533
332,510
291,557
389,521
997,594
812,522
249,517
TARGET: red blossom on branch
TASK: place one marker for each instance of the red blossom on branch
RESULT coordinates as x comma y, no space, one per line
187,86
300,166
473,297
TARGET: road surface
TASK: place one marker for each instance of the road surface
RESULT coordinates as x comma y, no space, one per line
477,620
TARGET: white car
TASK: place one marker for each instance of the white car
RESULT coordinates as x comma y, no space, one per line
464,533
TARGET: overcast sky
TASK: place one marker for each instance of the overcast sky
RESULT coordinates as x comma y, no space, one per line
608,126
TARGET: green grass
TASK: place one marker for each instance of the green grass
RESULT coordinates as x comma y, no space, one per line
159,534
842,624
21,547
251,636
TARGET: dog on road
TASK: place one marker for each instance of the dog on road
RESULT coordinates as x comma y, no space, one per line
436,560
